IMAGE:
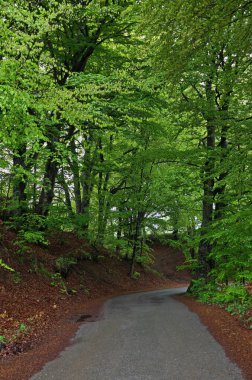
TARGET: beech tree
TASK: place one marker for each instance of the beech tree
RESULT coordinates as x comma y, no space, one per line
204,50
50,42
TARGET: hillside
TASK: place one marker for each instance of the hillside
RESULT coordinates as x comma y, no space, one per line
36,302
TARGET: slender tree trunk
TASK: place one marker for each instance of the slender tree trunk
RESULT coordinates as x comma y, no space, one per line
66,191
103,202
102,206
20,180
118,234
136,240
207,203
175,235
219,192
34,190
47,192
74,165
87,183
190,232
129,236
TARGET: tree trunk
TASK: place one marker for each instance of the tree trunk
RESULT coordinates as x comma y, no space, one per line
47,192
74,166
118,234
207,203
138,225
66,191
20,180
103,207
219,192
87,183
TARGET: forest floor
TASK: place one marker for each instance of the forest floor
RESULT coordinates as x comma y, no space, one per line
39,314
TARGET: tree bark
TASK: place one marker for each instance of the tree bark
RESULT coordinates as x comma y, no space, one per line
219,191
138,226
205,264
74,165
20,180
102,204
118,233
87,185
66,191
47,192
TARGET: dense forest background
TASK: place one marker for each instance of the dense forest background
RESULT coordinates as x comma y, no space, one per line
122,120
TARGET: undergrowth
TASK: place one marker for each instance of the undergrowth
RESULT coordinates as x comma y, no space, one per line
234,297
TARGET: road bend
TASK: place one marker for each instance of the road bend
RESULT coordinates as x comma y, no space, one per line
143,336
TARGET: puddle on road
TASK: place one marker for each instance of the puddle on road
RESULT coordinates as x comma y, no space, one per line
84,318
88,318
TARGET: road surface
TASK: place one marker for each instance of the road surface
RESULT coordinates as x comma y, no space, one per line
144,336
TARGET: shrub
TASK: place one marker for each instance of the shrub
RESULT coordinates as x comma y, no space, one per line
235,298
63,264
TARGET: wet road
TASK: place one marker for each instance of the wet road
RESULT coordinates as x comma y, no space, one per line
144,336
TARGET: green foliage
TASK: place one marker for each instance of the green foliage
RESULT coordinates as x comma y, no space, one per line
58,282
64,263
59,220
78,224
30,237
56,279
191,264
5,266
136,275
30,229
146,258
235,297
232,237
35,237
22,327
23,248
27,222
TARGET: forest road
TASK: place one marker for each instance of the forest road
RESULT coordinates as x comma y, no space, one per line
143,336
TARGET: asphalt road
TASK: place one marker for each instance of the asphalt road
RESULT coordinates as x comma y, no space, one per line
144,336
